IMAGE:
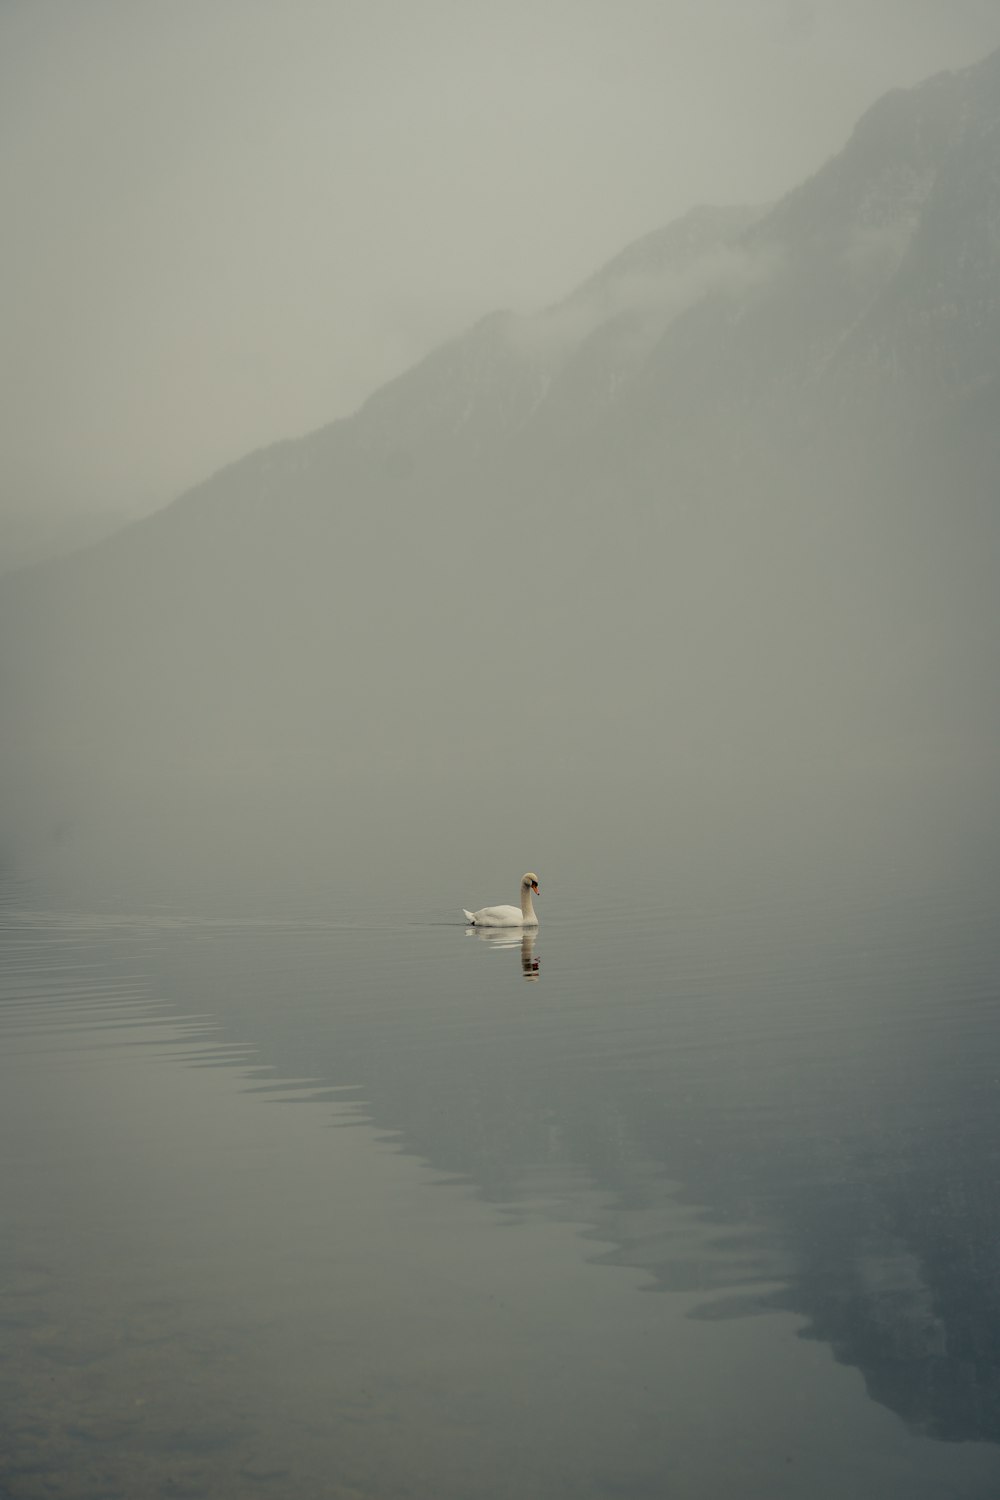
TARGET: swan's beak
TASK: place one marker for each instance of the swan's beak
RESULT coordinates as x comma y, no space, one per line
534,886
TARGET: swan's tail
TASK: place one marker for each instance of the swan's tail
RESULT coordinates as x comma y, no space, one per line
468,915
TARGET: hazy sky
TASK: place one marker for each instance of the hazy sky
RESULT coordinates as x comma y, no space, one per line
226,221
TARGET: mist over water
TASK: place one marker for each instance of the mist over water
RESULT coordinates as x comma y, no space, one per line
681,593
317,1189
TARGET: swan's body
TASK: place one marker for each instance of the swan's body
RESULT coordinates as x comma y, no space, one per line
509,916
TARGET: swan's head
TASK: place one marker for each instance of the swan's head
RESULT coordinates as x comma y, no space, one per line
530,881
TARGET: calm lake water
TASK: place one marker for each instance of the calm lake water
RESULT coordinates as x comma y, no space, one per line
310,1193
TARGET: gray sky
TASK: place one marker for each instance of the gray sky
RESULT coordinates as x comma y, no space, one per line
226,221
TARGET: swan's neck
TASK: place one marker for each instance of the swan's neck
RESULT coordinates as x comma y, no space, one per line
527,910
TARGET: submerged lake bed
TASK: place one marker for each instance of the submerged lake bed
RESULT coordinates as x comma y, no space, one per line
310,1191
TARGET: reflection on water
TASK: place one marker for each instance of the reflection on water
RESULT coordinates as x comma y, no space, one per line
428,1272
511,937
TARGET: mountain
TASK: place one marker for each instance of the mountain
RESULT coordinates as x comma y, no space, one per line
731,503
31,536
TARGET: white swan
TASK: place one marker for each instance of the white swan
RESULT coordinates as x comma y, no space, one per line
509,916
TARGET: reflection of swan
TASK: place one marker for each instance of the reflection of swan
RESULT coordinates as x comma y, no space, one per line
500,937
509,916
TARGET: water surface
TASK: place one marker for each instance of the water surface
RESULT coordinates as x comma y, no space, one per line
311,1193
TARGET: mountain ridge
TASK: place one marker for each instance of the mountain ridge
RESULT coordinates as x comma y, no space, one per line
730,426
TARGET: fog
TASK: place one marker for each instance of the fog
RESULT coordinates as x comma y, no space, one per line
441,441
568,440
703,522
228,224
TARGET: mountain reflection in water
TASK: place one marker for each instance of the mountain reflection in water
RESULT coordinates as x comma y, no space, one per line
773,1100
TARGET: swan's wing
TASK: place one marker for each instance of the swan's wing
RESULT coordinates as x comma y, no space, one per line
498,916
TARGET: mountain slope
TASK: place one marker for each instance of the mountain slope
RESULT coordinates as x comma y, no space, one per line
730,503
